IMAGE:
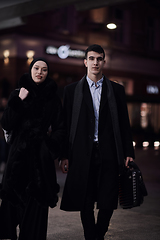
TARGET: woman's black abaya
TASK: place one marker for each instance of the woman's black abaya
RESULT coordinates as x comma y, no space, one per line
29,185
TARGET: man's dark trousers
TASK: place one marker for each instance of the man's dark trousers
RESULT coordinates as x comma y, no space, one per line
92,230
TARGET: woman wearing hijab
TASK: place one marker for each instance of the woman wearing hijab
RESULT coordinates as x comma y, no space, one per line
33,118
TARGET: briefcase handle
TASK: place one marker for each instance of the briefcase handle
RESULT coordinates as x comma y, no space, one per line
132,164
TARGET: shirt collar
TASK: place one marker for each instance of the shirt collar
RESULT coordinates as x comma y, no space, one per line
91,83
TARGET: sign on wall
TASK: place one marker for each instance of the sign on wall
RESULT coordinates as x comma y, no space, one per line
152,89
65,51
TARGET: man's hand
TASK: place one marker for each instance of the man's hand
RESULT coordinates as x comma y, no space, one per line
23,93
64,165
128,159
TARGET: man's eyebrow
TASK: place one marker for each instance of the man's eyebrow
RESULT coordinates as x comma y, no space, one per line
96,57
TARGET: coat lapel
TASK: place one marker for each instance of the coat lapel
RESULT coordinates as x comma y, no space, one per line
81,92
103,96
78,96
87,97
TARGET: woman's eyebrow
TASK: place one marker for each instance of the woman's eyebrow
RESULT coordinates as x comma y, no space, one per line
39,66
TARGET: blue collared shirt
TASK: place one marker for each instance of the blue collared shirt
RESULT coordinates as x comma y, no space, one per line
95,89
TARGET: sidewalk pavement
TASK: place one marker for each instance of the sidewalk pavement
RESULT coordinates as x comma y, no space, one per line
139,223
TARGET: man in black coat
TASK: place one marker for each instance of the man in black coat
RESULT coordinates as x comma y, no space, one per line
99,144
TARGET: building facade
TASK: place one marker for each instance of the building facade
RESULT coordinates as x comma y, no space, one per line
62,35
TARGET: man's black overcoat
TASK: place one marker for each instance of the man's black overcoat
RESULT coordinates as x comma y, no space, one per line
80,150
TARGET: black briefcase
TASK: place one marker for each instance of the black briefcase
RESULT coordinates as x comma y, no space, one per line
131,187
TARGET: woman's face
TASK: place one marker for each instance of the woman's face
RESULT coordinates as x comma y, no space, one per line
39,72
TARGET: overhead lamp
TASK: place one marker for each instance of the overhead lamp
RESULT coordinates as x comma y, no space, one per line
6,56
111,26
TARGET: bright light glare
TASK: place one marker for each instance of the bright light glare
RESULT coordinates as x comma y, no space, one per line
30,54
145,144
134,144
6,53
156,144
111,26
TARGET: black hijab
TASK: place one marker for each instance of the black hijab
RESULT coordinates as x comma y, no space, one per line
27,82
36,60
38,87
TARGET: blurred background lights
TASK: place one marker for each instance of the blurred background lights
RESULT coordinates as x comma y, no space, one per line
6,56
134,144
111,26
30,55
6,53
156,144
145,144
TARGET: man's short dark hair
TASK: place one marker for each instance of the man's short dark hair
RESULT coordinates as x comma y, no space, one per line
95,48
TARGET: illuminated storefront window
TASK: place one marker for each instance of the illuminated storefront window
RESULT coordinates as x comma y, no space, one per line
145,112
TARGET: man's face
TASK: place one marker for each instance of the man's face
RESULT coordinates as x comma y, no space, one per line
94,63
